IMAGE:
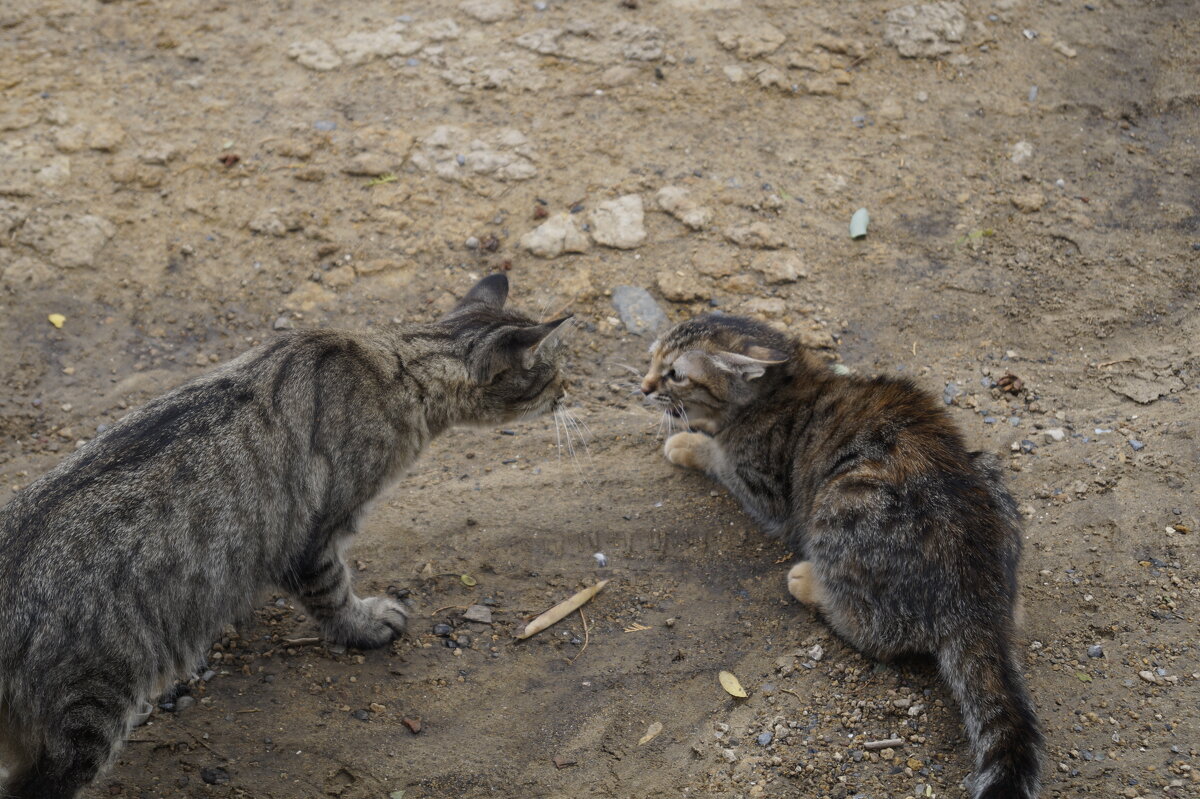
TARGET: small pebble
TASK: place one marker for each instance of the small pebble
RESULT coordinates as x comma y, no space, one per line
324,125
442,629
472,243
764,739
1095,651
1138,446
214,775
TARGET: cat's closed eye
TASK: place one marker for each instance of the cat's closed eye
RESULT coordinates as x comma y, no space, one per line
671,376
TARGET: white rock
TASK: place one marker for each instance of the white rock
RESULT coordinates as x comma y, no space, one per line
1021,151
69,242
106,136
780,267
925,30
752,41
439,30
890,110
757,235
735,73
70,140
764,307
268,223
619,223
26,272
677,202
359,48
56,171
639,42
556,235
488,11
315,54
1054,435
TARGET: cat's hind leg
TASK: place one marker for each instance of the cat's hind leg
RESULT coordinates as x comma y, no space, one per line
79,743
803,584
325,590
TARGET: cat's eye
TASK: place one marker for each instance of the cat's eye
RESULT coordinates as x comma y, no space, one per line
671,376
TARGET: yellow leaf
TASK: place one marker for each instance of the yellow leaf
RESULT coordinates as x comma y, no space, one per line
56,319
651,732
731,685
468,581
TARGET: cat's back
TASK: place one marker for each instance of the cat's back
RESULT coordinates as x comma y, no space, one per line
895,441
161,459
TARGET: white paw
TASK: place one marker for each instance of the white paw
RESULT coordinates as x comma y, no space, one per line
369,623
692,450
802,584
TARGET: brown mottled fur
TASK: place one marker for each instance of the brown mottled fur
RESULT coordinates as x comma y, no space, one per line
909,542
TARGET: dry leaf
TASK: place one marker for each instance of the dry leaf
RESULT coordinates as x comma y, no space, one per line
651,733
636,627
469,581
561,610
56,319
731,685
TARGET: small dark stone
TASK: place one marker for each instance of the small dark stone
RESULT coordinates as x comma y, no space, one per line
1095,651
442,629
214,775
361,715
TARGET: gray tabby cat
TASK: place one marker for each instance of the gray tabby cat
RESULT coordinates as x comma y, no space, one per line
909,543
119,567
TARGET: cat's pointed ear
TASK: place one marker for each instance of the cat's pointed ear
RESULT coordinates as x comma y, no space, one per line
531,340
492,291
749,368
533,337
513,346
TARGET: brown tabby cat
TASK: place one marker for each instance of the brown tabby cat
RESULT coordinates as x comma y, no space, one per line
909,543
120,566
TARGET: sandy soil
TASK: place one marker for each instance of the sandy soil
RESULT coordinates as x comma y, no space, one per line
179,179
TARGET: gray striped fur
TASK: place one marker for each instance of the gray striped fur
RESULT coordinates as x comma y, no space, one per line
120,566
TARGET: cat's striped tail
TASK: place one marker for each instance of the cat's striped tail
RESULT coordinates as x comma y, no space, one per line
999,716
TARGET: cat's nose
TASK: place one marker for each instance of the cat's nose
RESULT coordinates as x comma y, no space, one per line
648,386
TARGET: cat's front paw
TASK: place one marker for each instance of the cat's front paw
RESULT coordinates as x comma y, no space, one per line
369,623
803,585
692,450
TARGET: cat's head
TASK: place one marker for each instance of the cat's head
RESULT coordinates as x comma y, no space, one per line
703,369
511,363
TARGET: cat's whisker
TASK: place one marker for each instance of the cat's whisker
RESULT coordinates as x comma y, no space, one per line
574,420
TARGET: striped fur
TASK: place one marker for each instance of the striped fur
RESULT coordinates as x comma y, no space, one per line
909,543
120,566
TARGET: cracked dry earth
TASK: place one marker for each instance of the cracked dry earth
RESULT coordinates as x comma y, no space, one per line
180,179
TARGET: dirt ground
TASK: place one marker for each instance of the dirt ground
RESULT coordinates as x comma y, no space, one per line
179,179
